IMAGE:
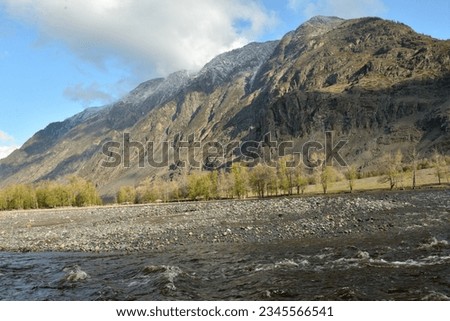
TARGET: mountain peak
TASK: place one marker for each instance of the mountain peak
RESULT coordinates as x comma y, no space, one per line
323,20
316,26
224,66
374,81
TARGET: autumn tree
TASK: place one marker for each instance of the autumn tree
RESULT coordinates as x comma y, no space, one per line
171,190
323,173
240,180
146,194
75,192
213,177
83,192
302,183
126,195
282,175
392,169
327,175
182,182
3,201
351,174
273,182
300,179
225,184
260,177
199,185
440,166
54,194
286,171
20,196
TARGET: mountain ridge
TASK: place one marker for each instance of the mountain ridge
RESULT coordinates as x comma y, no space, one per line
367,79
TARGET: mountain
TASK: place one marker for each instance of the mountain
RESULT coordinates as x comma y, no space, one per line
376,83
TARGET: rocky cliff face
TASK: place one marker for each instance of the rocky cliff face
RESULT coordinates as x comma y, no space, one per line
375,82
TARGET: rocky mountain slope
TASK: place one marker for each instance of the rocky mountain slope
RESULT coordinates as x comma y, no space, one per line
374,82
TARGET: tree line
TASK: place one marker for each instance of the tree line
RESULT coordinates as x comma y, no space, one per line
280,178
75,191
240,181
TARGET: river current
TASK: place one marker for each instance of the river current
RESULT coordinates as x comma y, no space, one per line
407,266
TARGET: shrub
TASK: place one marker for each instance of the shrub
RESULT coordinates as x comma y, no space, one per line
126,195
199,185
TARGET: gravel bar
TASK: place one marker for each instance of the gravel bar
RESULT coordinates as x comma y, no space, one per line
160,226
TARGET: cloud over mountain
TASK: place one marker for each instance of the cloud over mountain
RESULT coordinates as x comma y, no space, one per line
87,94
155,37
7,145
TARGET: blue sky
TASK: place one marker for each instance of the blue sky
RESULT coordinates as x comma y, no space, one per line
58,57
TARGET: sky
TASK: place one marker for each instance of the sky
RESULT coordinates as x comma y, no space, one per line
58,57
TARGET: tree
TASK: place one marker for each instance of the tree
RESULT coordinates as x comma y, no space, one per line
414,159
439,165
240,179
282,175
126,195
84,192
20,196
300,181
146,192
273,183
213,177
63,194
324,174
46,196
52,194
286,174
75,192
199,185
3,201
172,191
225,184
392,169
302,184
351,174
259,178
327,176
183,184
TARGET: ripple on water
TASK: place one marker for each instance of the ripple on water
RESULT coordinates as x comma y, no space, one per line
434,243
166,274
75,274
414,266
436,296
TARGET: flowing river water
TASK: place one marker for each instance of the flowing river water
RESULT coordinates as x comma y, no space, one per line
403,266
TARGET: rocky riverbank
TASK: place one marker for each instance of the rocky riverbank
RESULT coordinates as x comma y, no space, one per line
160,226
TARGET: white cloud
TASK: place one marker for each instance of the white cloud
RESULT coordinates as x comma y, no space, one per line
7,144
5,151
341,8
88,94
4,137
153,36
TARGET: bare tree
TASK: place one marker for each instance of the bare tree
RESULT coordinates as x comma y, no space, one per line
327,176
391,167
439,165
414,159
225,184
